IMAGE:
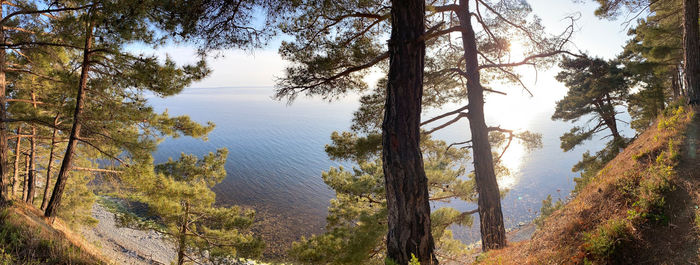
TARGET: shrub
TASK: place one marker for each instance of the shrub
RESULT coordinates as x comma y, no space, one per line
607,238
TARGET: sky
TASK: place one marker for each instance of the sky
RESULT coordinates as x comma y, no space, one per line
258,68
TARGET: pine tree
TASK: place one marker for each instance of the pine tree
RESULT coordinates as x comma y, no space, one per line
180,197
102,53
596,88
689,28
337,43
360,195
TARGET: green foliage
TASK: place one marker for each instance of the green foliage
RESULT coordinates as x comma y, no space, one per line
414,260
356,222
596,87
77,203
179,196
547,209
590,165
655,183
350,146
671,119
607,239
697,218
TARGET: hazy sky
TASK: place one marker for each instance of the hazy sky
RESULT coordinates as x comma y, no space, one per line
237,68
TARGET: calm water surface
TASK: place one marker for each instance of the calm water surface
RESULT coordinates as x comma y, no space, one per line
276,156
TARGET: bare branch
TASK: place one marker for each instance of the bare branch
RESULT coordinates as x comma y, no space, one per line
458,143
444,115
96,170
459,117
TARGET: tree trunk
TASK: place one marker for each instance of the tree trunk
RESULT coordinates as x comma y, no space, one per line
3,116
606,110
31,174
49,165
406,183
183,236
493,233
26,177
691,49
15,178
675,84
66,165
31,189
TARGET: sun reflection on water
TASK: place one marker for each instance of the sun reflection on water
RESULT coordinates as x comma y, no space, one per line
513,160
514,156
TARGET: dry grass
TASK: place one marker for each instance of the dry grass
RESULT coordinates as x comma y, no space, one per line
27,238
605,223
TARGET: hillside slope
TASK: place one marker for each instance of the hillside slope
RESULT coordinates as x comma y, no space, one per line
642,208
27,238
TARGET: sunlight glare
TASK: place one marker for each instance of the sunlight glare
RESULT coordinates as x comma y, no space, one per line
518,50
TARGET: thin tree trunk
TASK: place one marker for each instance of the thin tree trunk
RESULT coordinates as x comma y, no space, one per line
406,183
31,188
15,178
26,178
606,110
49,165
493,233
691,49
183,236
3,115
675,84
66,165
31,174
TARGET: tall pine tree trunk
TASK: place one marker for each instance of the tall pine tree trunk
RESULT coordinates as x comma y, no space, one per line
3,116
31,174
493,233
691,49
49,165
66,165
18,145
406,183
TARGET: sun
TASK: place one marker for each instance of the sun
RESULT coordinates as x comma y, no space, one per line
517,50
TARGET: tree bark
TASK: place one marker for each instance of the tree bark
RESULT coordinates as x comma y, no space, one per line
49,165
675,84
493,233
31,189
26,177
691,49
66,165
31,173
3,115
183,236
15,178
406,183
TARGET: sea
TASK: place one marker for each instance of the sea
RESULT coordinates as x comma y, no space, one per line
276,154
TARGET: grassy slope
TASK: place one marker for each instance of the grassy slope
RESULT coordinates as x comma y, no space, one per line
27,238
640,209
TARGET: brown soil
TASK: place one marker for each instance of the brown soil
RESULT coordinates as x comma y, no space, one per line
675,241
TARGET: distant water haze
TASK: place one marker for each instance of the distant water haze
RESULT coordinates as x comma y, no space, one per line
276,153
